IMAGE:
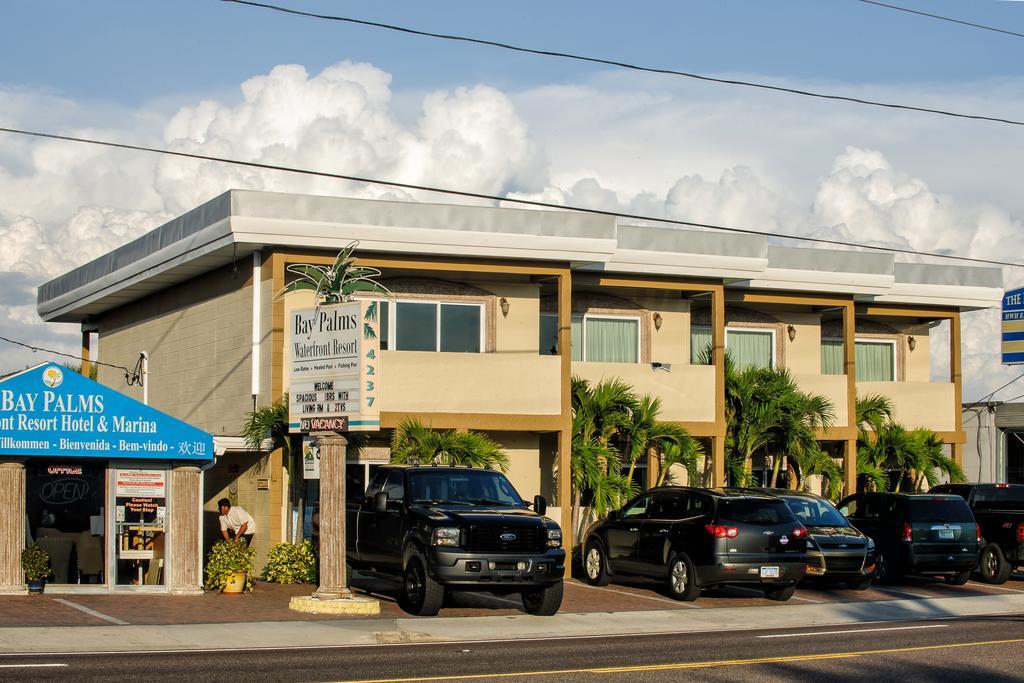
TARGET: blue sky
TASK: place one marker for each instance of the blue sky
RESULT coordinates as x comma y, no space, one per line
131,52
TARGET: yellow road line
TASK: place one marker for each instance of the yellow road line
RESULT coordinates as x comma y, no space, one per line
691,665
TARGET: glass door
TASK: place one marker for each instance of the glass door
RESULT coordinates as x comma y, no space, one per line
140,525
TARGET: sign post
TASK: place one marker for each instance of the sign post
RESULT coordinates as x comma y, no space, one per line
1013,327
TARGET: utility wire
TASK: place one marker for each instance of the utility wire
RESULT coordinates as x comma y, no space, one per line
942,18
624,65
497,198
994,392
130,376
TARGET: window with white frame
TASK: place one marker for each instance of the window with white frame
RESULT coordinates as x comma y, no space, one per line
596,338
876,359
746,346
415,325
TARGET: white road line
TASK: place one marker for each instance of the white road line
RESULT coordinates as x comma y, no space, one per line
856,630
677,603
761,593
98,615
998,588
898,592
30,666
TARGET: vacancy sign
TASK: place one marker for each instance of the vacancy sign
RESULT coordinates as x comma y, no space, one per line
335,368
1013,327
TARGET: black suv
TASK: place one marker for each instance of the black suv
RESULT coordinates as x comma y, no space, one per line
999,509
456,528
696,538
836,550
917,533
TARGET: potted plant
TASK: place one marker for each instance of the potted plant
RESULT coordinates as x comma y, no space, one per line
228,567
291,563
35,562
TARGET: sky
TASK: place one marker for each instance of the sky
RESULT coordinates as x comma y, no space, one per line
231,80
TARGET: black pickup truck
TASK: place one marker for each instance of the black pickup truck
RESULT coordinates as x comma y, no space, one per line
445,529
999,509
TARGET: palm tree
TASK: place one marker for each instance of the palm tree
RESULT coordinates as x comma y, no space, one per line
269,422
934,461
685,454
645,435
415,443
336,283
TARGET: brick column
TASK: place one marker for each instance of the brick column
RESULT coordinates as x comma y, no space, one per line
333,513
183,562
12,530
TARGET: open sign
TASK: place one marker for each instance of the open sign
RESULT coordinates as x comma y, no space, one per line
64,491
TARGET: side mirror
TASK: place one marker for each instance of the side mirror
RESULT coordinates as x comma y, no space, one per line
380,502
540,505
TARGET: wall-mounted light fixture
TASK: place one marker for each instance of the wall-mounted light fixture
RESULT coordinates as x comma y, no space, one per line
504,307
911,342
657,320
791,331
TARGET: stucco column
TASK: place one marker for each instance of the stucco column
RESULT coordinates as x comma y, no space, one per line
333,577
12,530
718,360
849,467
183,562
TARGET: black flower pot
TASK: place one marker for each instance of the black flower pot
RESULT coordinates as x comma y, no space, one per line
36,587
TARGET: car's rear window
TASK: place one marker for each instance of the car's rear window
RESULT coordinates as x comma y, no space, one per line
755,511
999,498
951,509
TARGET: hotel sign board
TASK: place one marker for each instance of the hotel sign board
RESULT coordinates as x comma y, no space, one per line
51,411
335,368
1013,327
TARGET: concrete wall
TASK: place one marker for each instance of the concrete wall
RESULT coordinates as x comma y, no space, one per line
687,391
523,449
832,387
917,404
237,477
199,339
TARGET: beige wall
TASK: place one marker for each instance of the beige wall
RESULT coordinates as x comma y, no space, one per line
687,391
832,387
670,344
803,354
199,339
523,449
918,404
520,331
236,476
919,360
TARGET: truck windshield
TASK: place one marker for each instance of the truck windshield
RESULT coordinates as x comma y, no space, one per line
998,498
470,487
952,509
815,512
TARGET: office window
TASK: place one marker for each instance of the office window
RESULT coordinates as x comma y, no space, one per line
751,348
876,361
431,326
598,339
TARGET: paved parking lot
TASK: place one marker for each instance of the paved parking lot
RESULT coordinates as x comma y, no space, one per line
270,602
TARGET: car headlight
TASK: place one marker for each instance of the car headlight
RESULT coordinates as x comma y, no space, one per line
446,535
554,538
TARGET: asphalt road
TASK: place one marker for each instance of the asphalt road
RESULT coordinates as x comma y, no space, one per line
990,649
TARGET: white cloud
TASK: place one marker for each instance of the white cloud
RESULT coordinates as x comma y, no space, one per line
640,144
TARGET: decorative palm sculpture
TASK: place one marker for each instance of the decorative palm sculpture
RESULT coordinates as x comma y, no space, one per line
337,283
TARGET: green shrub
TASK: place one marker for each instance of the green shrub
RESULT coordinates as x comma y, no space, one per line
35,562
288,563
226,558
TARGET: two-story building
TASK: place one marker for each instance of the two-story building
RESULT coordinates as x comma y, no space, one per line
491,313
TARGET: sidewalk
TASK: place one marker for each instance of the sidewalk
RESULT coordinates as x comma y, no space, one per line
392,630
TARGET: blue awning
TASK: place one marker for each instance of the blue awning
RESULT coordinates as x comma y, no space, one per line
51,411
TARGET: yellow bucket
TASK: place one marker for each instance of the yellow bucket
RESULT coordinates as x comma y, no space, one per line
236,583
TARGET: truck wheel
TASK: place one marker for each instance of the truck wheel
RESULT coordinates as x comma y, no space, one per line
543,602
993,566
682,579
421,595
780,594
595,566
959,579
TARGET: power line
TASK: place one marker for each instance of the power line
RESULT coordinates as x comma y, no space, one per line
942,18
508,200
130,376
623,65
994,392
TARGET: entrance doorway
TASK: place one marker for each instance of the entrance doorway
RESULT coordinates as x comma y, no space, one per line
64,510
140,525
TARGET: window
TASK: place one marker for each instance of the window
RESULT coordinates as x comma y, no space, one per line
595,338
395,487
747,347
876,360
431,326
638,507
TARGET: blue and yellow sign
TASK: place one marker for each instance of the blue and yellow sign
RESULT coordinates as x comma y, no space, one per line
1013,327
51,411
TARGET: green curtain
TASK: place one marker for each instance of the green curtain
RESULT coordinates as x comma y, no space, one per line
875,362
749,348
700,340
576,325
612,340
831,356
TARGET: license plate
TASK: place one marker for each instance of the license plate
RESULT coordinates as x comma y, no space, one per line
769,572
946,534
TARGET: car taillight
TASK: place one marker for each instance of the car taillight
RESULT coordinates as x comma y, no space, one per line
908,533
800,532
1002,486
977,529
722,531
1020,532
